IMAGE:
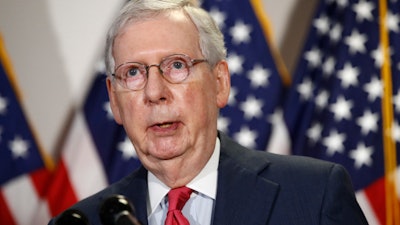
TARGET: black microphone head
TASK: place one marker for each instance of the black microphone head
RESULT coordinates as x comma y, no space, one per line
72,217
112,208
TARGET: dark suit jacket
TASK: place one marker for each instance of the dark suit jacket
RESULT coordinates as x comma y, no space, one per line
256,187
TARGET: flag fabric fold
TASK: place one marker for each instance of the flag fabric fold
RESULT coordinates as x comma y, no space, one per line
343,105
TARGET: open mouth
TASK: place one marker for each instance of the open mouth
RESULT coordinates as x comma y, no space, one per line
165,125
170,125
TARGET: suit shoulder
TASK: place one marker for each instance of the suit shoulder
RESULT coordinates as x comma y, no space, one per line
296,162
90,205
259,160
93,201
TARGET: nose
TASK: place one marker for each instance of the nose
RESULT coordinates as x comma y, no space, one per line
156,89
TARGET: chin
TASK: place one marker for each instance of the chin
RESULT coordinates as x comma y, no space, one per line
166,152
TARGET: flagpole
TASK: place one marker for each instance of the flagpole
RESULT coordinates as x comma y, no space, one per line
392,206
266,26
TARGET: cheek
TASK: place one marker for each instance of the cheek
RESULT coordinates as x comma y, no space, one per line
129,109
201,101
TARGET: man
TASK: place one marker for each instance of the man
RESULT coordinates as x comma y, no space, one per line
168,80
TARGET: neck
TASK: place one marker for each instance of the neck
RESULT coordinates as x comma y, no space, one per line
181,170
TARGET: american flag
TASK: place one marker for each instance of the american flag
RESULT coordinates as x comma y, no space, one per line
23,170
257,76
344,105
97,151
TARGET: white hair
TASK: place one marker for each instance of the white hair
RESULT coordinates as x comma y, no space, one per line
210,37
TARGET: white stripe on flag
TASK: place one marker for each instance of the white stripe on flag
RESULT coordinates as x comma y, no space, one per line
366,208
42,214
22,199
82,161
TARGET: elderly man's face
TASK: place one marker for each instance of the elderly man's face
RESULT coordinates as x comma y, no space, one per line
168,121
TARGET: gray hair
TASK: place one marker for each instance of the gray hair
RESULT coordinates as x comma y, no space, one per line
210,37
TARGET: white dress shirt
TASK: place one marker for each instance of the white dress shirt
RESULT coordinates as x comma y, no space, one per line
199,208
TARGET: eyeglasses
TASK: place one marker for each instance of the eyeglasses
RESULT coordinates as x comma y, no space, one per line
174,68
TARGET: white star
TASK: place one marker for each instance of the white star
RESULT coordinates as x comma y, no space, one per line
377,55
259,76
107,108
341,109
328,66
362,155
322,99
232,96
235,63
305,89
356,42
218,16
246,137
127,149
348,75
19,147
396,101
336,33
395,132
3,105
342,3
314,133
223,123
374,89
322,24
392,21
240,33
252,107
363,10
313,57
334,143
368,122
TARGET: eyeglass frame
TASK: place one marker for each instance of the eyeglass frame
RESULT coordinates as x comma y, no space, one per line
188,60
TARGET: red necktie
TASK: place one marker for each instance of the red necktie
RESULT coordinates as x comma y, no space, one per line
177,198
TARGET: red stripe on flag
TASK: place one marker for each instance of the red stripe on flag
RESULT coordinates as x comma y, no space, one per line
61,195
5,214
376,196
40,178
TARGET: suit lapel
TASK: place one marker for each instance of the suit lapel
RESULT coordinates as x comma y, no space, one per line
243,197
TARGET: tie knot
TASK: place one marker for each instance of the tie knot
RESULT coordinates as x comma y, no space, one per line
178,197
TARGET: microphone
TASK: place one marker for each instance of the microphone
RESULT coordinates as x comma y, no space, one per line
72,216
118,210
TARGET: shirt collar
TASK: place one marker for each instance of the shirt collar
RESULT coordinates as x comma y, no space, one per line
205,182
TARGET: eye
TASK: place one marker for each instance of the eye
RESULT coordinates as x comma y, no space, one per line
178,65
132,71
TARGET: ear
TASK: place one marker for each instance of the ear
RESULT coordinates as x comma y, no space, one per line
113,100
223,83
